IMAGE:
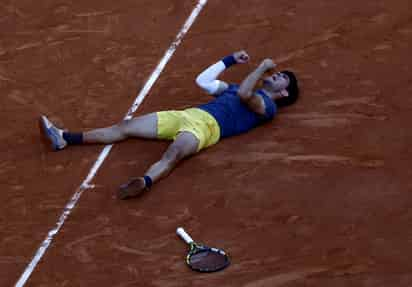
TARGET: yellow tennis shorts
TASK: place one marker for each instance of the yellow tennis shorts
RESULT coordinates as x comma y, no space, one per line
196,121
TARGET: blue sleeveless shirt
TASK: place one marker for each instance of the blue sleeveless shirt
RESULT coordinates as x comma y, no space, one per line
233,116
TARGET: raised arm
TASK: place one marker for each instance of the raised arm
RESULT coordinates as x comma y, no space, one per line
208,81
246,90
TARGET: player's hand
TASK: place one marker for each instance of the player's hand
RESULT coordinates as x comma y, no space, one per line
268,64
241,57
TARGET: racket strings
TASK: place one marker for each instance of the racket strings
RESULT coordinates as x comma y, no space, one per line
208,260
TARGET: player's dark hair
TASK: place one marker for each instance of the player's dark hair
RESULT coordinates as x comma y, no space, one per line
292,89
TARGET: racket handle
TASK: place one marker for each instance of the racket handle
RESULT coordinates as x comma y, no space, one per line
182,233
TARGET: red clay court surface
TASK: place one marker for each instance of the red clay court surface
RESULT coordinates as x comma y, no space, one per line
319,197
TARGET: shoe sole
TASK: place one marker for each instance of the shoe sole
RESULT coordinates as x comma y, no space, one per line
47,136
133,188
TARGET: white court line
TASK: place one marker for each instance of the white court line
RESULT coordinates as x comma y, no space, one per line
106,150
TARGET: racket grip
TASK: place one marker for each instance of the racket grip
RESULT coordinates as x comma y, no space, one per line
182,233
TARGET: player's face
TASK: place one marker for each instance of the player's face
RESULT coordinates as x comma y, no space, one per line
276,82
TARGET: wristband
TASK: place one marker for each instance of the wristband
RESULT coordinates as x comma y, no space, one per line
147,181
229,61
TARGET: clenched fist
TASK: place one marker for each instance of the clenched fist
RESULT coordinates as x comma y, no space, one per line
268,64
241,57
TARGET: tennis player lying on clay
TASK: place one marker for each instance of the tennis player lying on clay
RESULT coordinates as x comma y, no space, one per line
234,110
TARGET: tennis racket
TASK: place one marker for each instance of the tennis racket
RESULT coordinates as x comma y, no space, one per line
203,258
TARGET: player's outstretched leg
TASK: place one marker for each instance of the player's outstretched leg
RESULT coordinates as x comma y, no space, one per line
143,127
186,144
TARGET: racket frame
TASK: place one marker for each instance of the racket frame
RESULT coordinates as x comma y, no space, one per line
195,248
